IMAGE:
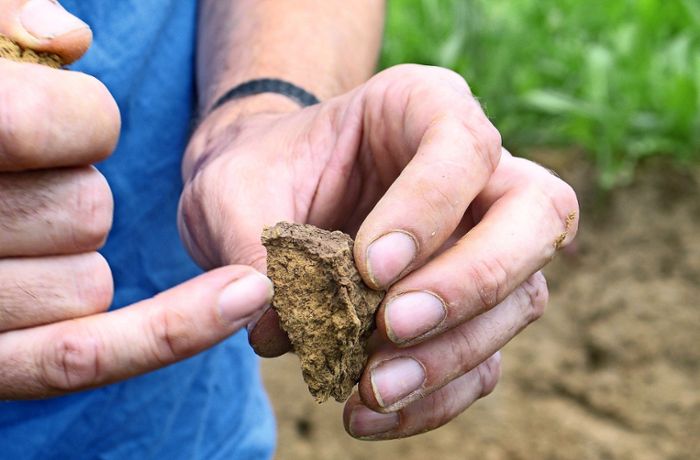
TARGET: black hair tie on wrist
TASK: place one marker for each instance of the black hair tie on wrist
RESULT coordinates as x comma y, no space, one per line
267,85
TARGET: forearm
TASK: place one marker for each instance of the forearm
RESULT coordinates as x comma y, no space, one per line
324,46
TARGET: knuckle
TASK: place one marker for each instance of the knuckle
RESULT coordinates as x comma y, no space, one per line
104,108
93,208
487,143
534,297
18,135
94,284
172,336
556,203
561,200
442,407
464,349
489,374
489,277
563,197
71,361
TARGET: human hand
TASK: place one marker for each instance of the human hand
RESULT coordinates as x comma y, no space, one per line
56,211
454,227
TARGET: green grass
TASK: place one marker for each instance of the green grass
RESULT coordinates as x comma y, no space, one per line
618,78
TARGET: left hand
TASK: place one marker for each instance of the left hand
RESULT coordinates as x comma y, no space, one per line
454,227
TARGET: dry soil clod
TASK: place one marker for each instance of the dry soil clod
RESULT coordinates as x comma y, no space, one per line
323,305
9,49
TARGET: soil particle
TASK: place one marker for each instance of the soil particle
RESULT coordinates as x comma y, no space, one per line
9,49
323,305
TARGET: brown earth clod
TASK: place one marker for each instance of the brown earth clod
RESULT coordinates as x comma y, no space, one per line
9,49
323,305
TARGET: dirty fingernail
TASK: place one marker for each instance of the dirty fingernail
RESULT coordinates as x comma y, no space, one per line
47,19
366,423
413,314
388,256
244,297
395,379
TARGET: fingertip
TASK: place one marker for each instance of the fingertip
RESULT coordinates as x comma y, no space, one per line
70,46
245,297
267,338
45,26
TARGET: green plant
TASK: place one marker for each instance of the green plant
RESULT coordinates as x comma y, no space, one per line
620,79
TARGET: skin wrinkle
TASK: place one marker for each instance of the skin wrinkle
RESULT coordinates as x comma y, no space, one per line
25,196
341,166
193,217
351,129
307,199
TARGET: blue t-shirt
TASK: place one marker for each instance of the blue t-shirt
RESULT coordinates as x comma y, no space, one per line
210,406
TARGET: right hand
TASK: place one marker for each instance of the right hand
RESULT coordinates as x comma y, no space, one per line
56,211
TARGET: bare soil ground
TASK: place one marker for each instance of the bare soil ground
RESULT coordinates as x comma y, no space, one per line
612,371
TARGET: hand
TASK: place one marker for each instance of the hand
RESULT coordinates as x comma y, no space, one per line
452,225
56,211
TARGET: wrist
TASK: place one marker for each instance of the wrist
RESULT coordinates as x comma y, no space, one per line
238,109
225,123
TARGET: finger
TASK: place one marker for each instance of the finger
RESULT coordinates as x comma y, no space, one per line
108,347
53,118
65,211
395,377
267,337
454,157
35,291
44,25
426,414
530,214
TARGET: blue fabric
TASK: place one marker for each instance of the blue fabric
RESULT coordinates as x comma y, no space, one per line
210,406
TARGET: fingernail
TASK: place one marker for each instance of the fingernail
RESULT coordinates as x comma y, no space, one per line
395,379
47,19
413,314
244,297
388,256
366,423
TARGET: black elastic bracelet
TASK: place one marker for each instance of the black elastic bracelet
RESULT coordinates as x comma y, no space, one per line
267,85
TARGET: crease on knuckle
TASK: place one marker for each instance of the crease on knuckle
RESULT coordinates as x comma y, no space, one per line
490,278
93,285
93,207
71,361
486,140
171,336
534,297
489,373
442,408
465,349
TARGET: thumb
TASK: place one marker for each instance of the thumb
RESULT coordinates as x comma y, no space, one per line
45,26
97,350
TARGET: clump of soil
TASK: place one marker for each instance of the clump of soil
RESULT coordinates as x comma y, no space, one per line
323,305
9,49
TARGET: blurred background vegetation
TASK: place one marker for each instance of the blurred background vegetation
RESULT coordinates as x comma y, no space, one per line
619,79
